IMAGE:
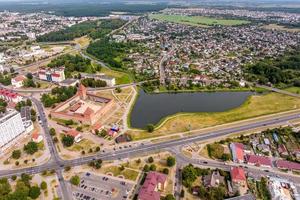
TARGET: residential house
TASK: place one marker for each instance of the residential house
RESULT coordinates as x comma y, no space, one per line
77,136
214,179
284,164
237,150
154,183
18,81
36,137
282,150
262,161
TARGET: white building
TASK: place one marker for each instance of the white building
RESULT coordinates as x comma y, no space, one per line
10,96
110,81
53,75
11,127
18,81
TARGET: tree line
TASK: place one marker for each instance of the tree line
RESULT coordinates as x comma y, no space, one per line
284,70
57,95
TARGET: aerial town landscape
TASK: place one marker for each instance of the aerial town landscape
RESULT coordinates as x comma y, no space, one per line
162,100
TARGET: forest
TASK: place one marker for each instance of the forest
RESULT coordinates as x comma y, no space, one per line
72,64
94,29
111,52
281,71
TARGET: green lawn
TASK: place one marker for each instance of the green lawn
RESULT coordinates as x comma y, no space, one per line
121,77
198,20
295,90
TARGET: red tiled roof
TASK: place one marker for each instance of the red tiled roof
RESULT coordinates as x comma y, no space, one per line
55,75
287,165
147,192
73,133
19,78
88,111
239,150
35,135
259,160
237,174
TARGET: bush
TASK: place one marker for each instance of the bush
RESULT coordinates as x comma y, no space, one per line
16,154
75,180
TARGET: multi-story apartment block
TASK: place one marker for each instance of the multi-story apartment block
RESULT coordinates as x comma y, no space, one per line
52,75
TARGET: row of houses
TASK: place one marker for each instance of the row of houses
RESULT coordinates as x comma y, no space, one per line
240,156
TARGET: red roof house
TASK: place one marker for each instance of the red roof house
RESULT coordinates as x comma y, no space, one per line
283,164
154,182
259,160
237,175
237,150
75,134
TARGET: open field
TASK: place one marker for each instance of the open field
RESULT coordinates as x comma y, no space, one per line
280,28
121,77
82,41
255,106
295,90
198,20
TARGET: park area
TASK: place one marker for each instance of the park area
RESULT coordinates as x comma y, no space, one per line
198,20
255,106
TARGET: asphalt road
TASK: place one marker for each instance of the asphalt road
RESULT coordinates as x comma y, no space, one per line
125,153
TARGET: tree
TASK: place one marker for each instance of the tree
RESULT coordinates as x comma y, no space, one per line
75,180
150,159
150,128
28,102
31,148
16,154
152,167
118,90
67,140
171,161
189,175
67,168
5,187
169,197
52,131
146,168
43,185
166,171
34,192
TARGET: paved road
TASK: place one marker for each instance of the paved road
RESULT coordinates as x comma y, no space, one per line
277,90
125,153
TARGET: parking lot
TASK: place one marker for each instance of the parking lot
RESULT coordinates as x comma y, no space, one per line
101,187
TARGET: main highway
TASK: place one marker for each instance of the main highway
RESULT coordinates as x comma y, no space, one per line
58,164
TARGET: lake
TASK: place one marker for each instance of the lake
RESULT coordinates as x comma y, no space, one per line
151,108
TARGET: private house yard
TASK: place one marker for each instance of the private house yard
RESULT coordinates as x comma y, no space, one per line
255,106
198,20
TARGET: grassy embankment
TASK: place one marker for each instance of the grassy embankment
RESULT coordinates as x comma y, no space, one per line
198,20
257,105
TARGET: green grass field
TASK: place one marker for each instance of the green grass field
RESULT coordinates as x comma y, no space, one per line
198,20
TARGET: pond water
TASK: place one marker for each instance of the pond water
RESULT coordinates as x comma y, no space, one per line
151,108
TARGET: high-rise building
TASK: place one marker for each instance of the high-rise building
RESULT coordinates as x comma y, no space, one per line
11,127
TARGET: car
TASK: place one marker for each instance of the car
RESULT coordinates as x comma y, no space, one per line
204,162
88,174
266,170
